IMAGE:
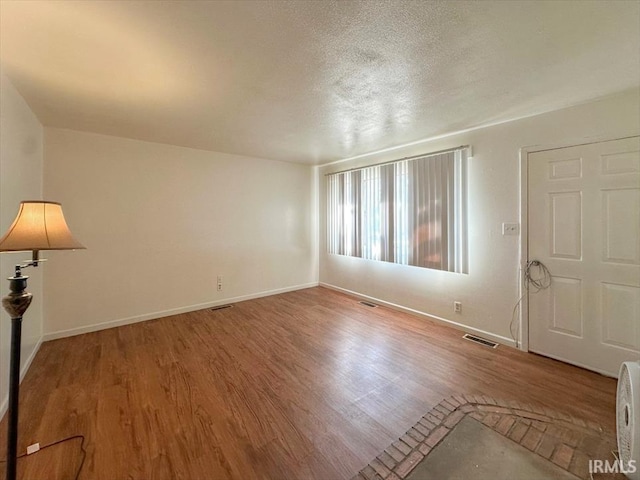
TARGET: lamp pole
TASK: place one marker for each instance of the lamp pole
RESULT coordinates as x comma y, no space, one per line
16,303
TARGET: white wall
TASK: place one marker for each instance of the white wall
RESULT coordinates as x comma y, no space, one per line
20,179
161,222
490,291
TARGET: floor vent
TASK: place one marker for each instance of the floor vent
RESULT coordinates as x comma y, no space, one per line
222,307
368,304
480,340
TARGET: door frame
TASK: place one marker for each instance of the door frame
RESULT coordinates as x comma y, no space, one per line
524,152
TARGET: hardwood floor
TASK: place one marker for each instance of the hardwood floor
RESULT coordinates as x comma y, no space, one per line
308,384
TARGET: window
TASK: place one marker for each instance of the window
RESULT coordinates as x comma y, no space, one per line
411,212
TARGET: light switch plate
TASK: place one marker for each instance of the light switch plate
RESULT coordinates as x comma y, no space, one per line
510,229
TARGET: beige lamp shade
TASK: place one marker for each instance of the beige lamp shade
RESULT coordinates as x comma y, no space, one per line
39,225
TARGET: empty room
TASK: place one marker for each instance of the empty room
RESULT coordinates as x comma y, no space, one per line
332,240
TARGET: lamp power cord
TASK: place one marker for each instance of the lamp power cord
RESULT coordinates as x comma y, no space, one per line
57,442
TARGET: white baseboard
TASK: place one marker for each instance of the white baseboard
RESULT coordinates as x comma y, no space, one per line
166,313
23,371
459,326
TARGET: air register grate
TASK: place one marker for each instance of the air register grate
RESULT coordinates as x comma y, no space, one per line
368,304
222,307
480,340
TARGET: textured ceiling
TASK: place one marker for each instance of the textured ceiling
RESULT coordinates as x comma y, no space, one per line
311,82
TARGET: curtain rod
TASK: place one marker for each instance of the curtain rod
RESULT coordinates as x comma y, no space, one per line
422,155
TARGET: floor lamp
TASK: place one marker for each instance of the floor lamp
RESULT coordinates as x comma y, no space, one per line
39,226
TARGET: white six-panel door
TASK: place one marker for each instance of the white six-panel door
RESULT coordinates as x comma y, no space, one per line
584,225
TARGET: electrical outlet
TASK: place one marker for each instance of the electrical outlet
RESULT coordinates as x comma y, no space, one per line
219,283
457,307
510,229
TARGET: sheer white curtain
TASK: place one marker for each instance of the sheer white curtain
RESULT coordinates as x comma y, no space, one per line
411,212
